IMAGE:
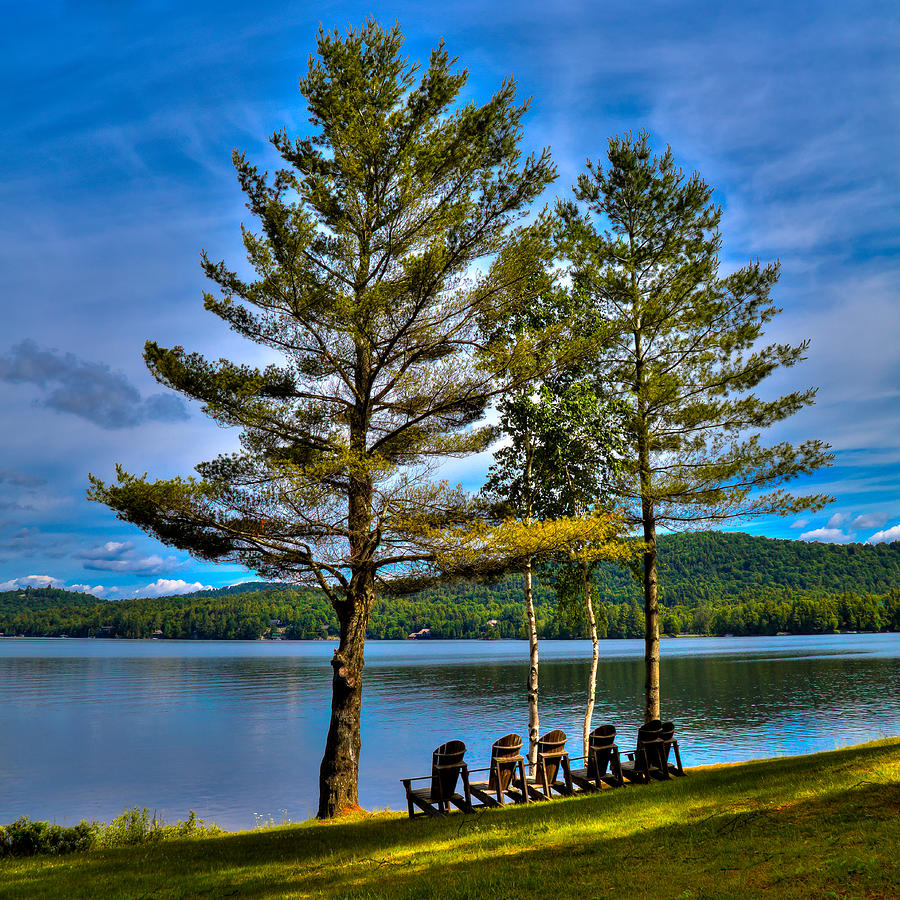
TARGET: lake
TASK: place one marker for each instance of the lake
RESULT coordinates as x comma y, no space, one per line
235,730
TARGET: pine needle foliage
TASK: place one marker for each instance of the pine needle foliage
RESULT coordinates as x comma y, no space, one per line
683,347
363,285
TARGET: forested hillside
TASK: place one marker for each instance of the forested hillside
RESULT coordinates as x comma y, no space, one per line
704,566
711,583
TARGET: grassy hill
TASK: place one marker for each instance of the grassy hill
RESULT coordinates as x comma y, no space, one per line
807,826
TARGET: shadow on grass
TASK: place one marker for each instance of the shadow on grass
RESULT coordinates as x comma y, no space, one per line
723,832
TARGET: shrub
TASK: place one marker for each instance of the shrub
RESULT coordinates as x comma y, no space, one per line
135,826
25,837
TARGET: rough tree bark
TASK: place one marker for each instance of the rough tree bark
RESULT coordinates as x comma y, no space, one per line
651,601
651,614
338,781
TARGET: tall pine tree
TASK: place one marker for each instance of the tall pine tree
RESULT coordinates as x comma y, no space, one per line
681,346
364,284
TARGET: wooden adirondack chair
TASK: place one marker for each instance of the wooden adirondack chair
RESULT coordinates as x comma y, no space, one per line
646,756
669,744
551,757
506,763
447,768
602,764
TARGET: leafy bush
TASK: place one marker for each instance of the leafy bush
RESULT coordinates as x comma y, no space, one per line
25,837
135,826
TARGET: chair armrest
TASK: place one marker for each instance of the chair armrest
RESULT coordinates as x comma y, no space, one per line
417,778
559,755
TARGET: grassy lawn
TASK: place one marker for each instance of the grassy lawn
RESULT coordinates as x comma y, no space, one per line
826,825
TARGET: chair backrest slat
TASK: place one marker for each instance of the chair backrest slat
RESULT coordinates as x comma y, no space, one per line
666,734
505,755
446,764
648,741
600,750
550,750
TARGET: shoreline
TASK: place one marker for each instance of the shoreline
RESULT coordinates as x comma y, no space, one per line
328,640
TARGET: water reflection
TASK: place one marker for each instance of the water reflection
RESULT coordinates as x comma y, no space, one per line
233,729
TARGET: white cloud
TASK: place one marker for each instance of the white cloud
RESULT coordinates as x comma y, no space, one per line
828,535
98,590
837,520
889,534
33,581
163,587
800,523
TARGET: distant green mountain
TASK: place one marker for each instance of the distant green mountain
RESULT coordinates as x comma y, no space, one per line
710,583
703,566
245,587
43,598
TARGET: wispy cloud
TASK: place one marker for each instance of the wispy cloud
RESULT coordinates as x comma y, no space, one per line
21,479
87,389
121,556
21,491
32,542
869,520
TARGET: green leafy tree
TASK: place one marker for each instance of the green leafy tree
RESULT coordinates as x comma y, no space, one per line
558,454
363,283
583,444
681,346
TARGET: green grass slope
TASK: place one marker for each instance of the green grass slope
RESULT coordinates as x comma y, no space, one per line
818,826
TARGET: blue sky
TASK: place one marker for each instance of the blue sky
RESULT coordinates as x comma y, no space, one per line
119,122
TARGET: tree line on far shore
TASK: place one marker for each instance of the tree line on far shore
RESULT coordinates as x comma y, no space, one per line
715,584
305,615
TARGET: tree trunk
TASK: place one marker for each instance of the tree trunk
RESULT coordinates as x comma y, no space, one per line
533,720
648,517
651,616
339,772
595,656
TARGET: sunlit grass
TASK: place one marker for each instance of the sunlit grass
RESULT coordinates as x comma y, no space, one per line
826,825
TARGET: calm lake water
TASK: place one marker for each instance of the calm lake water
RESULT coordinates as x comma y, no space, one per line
235,730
